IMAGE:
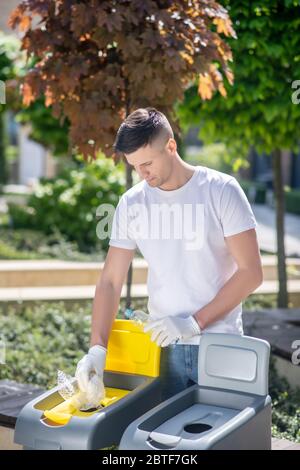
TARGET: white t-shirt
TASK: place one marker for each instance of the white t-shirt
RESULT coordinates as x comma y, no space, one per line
180,234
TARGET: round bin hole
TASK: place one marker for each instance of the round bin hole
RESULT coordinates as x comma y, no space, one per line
197,428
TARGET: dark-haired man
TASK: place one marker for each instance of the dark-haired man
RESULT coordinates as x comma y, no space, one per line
196,229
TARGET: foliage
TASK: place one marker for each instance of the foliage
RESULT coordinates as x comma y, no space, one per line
254,190
41,339
44,128
214,156
261,108
97,61
27,244
259,301
292,200
10,58
286,407
68,204
258,109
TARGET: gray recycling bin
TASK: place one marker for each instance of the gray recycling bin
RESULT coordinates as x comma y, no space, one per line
229,408
132,386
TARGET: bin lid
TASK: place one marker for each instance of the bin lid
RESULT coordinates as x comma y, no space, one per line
131,350
234,362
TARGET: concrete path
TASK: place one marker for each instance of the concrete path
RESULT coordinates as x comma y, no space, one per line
265,217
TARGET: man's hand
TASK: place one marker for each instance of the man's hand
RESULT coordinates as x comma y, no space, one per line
89,374
172,329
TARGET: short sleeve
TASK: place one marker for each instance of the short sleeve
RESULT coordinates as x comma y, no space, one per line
236,214
119,232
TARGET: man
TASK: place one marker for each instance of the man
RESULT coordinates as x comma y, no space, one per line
196,229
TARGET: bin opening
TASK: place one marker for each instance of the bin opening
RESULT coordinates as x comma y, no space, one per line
62,413
196,428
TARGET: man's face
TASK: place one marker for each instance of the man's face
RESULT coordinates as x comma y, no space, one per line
154,162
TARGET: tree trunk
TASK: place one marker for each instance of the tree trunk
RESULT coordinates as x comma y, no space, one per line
129,275
128,186
180,145
282,296
3,170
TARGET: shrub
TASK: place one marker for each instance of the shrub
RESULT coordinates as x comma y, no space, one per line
255,191
285,407
68,203
292,200
25,244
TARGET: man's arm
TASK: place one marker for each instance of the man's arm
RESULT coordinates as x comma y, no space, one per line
108,293
249,275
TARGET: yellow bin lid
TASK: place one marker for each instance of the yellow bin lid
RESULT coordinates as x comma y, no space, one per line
131,350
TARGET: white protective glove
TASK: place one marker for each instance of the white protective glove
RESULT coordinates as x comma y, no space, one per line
170,330
89,374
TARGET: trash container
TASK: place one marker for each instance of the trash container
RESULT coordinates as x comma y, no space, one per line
131,380
229,408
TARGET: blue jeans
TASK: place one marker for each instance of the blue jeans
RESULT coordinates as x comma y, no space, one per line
178,368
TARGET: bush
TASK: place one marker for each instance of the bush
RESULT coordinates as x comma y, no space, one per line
255,191
260,301
285,407
43,337
214,156
68,204
8,252
292,200
25,244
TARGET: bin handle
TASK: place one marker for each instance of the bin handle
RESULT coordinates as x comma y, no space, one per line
163,441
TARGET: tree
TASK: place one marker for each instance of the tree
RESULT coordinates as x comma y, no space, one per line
259,110
98,61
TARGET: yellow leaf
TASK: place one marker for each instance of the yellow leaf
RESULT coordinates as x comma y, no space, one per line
25,23
224,26
229,75
48,97
27,94
205,86
187,57
222,90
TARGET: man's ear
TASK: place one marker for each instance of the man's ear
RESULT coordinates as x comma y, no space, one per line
172,145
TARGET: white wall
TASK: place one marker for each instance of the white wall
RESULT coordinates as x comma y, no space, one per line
32,158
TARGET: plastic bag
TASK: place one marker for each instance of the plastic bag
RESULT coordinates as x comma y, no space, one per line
68,388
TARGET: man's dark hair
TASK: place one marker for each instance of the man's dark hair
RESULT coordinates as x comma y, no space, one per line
141,128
